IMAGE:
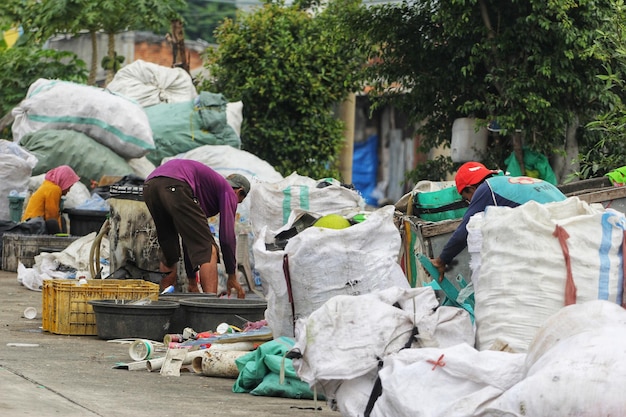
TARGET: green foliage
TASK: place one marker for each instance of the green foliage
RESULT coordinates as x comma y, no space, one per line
526,64
23,65
290,69
603,148
43,19
202,18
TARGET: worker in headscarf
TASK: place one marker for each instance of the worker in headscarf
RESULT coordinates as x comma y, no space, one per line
482,187
45,203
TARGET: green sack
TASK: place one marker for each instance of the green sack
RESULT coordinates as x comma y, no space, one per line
181,127
89,159
435,206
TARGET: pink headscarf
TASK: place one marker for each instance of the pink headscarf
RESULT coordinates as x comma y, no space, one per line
63,176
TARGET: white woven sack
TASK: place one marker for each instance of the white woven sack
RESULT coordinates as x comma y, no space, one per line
110,119
16,166
353,395
523,270
452,382
327,262
150,84
337,341
474,246
227,160
345,338
580,372
273,202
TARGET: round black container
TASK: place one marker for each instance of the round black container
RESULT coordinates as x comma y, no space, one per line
205,314
120,321
179,320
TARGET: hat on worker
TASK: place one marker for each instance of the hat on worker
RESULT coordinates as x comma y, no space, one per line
239,181
471,173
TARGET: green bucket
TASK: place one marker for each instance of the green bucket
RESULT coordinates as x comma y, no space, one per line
16,207
435,206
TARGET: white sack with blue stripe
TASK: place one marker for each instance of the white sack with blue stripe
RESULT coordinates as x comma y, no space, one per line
524,266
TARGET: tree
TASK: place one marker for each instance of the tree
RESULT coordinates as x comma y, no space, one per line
202,18
46,18
604,148
24,64
290,69
525,64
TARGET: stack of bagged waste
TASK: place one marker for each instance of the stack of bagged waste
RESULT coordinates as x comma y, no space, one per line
549,316
89,128
314,241
180,118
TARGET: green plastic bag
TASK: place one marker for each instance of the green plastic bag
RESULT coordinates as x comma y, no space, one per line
536,165
618,176
259,372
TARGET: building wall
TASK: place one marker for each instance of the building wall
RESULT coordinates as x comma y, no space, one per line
132,46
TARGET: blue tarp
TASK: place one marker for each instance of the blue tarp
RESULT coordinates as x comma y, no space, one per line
365,168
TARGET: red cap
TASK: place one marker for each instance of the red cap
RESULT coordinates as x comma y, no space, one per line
470,173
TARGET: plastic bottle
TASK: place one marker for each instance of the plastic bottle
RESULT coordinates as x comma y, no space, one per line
168,290
141,302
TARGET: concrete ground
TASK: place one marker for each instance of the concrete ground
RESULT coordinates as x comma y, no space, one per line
43,374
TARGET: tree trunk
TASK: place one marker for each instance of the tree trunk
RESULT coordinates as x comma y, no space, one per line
565,165
93,68
179,53
6,120
518,150
111,55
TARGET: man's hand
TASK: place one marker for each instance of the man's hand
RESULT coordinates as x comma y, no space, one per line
440,265
233,284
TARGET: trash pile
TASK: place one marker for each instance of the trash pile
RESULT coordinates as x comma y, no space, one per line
353,315
548,292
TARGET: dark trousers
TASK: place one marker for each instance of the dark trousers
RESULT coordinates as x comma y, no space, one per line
175,212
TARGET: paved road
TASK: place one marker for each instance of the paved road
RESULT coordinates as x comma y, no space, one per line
43,374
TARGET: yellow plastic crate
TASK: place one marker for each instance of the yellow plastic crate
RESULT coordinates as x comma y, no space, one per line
65,307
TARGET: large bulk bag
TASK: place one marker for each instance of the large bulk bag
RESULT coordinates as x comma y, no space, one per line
89,159
537,258
181,127
150,84
110,119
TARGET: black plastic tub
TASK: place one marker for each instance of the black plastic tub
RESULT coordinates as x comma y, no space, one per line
115,320
83,222
179,320
205,314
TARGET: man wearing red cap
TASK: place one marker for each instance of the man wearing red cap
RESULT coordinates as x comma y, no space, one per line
483,187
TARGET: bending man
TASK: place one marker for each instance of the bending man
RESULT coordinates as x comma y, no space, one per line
181,195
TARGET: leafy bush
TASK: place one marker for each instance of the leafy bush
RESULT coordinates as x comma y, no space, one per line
290,69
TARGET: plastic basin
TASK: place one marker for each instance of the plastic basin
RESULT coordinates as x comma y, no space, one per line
115,320
205,314
179,322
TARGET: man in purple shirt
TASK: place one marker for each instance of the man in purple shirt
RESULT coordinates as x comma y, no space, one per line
181,194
